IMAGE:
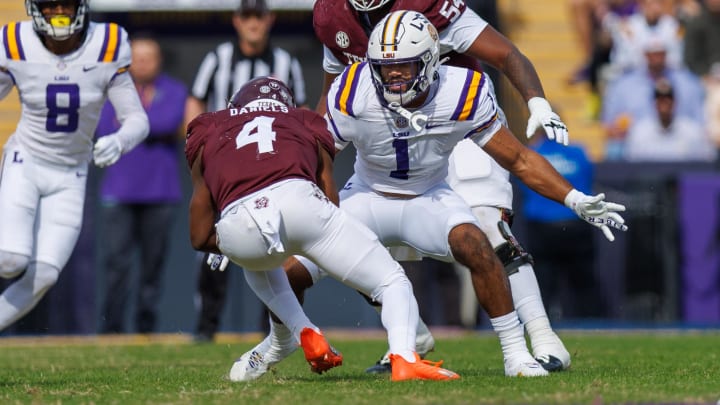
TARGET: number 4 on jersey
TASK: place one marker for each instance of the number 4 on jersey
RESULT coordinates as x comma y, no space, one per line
258,131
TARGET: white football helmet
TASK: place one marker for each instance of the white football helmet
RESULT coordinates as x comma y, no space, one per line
59,27
368,5
404,37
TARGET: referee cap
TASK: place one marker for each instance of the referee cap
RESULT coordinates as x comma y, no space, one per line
258,7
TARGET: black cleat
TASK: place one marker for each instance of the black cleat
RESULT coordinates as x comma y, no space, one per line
381,367
549,363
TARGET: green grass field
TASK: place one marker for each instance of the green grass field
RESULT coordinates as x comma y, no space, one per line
639,367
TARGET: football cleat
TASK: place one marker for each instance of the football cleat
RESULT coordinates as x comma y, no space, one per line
258,360
552,355
424,344
318,352
550,363
382,366
402,370
523,365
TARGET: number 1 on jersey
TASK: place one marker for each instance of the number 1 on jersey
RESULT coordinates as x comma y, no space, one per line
402,158
258,131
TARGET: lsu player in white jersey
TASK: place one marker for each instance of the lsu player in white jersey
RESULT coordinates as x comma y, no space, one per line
465,38
64,68
404,113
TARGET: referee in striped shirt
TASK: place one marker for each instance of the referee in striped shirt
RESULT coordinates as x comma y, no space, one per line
223,71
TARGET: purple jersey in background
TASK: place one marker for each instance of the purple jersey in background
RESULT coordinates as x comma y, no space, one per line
150,172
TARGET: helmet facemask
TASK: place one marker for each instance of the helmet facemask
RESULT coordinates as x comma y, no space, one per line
404,40
368,5
60,27
401,90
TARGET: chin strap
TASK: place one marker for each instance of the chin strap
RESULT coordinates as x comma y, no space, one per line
417,119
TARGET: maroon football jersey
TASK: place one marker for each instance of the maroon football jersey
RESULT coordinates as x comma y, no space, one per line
337,25
245,151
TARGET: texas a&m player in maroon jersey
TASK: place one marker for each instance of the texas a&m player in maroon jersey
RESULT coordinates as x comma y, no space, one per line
264,168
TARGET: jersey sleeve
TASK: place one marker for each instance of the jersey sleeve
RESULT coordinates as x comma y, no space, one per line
441,13
477,106
341,105
331,64
116,49
6,80
196,133
462,32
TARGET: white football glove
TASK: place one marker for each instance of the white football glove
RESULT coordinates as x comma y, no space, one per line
107,150
542,116
597,212
217,262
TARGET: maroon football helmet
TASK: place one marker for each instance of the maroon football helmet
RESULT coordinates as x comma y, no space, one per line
262,88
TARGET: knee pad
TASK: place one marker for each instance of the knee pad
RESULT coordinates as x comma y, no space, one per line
511,253
12,264
315,272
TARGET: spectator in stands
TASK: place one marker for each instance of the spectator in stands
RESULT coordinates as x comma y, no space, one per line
702,56
140,194
588,17
702,48
712,103
629,36
223,71
562,247
629,98
668,137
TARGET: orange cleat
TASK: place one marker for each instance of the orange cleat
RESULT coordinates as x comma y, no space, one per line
420,370
318,352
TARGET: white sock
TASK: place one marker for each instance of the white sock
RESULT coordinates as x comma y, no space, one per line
273,289
510,332
24,293
400,318
529,305
280,335
526,294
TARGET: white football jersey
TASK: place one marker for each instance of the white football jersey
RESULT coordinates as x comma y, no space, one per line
61,96
391,156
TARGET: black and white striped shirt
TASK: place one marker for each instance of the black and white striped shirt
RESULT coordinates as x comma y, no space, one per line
226,69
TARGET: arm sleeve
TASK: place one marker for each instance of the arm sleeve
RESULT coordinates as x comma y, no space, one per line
6,80
461,33
330,62
134,125
6,83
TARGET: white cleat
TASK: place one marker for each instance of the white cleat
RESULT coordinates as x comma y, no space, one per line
254,363
523,365
424,344
552,356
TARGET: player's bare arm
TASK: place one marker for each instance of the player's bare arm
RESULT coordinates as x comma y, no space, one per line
327,81
530,167
494,48
202,212
325,179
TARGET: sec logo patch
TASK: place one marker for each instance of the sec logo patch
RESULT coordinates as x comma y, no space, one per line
342,39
